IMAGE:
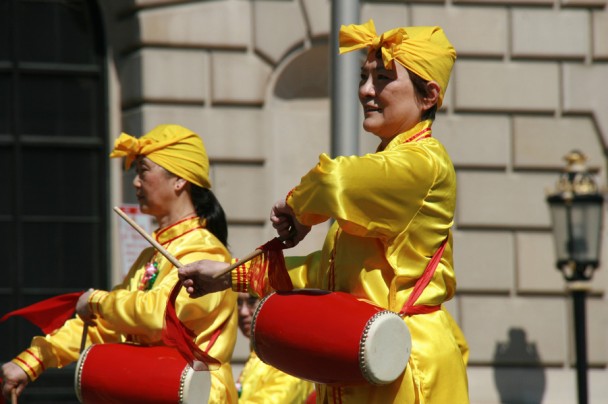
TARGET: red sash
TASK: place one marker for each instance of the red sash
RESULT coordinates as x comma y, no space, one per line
408,308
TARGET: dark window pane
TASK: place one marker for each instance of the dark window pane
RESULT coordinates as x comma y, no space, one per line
7,179
5,104
62,106
71,254
4,30
7,330
7,283
7,250
19,331
63,32
61,182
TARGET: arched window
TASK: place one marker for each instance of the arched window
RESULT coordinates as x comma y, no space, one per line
53,159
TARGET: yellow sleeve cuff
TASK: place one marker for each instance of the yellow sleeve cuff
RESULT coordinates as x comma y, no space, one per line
95,301
240,278
30,361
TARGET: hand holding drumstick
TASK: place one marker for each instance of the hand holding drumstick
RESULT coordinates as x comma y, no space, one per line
14,380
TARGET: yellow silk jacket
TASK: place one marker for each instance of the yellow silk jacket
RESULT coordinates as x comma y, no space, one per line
262,384
134,312
392,210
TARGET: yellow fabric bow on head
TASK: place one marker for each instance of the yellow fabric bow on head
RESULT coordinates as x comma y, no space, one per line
173,147
425,51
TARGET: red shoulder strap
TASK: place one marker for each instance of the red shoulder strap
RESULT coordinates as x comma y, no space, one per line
408,308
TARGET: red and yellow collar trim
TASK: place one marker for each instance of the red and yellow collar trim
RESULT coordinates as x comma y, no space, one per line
422,130
178,229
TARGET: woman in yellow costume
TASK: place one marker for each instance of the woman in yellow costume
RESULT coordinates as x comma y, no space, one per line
393,211
172,185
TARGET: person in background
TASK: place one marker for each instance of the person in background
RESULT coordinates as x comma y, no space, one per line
261,383
393,212
172,185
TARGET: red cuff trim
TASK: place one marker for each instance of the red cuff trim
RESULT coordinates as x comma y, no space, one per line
242,283
28,366
36,358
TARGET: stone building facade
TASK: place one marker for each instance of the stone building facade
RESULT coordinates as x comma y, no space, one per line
530,84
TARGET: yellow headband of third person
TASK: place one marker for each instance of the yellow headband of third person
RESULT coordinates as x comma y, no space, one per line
173,147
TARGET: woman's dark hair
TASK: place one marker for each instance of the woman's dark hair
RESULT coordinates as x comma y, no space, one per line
208,207
422,91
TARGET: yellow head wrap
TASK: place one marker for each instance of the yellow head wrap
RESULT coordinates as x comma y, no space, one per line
425,51
173,147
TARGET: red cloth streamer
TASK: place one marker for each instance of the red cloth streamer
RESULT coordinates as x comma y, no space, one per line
177,335
49,314
312,397
273,262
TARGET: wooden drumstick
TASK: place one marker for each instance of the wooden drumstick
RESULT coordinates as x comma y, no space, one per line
14,396
83,340
145,235
243,260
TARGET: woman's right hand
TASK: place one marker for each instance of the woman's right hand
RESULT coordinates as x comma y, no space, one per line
198,277
13,378
287,226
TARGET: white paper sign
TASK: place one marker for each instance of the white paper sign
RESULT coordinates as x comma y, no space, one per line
131,242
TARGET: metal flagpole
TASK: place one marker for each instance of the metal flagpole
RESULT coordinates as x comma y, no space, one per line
344,80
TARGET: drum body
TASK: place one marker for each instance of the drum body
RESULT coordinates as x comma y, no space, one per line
330,338
129,373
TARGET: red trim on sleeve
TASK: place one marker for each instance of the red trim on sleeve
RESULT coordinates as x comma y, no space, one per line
28,366
37,359
241,279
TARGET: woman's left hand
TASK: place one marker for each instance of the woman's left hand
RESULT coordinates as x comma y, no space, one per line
13,378
84,310
288,228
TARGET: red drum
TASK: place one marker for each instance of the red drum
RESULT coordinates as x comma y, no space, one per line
330,338
129,373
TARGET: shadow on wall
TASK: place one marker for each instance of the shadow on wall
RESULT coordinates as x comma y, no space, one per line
518,374
306,76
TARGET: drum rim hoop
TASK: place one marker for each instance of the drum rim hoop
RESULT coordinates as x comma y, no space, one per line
254,318
362,362
81,360
182,382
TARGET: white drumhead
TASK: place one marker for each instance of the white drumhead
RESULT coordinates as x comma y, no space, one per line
195,386
386,348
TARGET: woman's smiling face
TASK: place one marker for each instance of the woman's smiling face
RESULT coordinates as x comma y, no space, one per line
389,101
